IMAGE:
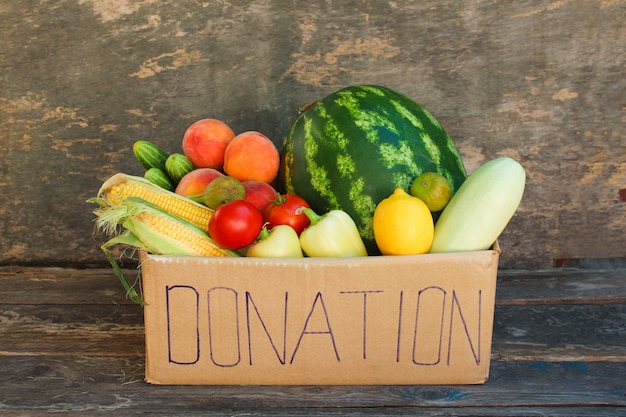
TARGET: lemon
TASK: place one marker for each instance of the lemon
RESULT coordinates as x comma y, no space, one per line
403,225
433,189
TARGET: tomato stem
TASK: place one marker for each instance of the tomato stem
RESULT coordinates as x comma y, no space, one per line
280,199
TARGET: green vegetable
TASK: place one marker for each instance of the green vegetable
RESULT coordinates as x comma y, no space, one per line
480,210
160,178
279,242
333,235
351,149
149,155
177,166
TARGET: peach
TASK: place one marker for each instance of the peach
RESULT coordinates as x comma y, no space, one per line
252,156
196,181
259,193
205,141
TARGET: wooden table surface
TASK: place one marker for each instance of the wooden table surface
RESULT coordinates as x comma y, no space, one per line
70,344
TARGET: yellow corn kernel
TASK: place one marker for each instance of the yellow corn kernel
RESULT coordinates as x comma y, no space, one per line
164,234
121,186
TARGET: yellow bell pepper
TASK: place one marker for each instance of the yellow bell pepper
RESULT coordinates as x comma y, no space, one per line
332,235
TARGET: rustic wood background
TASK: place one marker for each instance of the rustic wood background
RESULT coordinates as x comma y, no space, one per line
541,81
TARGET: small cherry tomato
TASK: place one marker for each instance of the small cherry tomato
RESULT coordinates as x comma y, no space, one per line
283,211
236,224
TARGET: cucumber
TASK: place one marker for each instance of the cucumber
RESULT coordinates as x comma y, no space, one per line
149,155
481,208
159,177
177,166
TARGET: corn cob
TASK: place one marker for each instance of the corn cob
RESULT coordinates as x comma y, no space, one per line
120,186
159,231
153,229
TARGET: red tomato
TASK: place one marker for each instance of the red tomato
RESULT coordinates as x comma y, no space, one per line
236,224
283,211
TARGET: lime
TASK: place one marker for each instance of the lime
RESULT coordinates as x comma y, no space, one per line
433,189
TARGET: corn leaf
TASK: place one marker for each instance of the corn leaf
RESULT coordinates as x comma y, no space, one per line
125,238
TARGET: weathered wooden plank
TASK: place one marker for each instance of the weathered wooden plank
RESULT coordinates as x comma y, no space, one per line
378,411
560,332
113,384
562,287
29,285
541,81
60,330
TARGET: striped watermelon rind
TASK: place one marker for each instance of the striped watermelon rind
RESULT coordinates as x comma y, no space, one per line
351,149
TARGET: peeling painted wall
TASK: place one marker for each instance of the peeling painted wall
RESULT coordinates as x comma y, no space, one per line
541,81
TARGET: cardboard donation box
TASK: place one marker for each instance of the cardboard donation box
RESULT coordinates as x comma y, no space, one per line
424,319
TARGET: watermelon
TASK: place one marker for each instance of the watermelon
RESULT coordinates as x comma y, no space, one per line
351,149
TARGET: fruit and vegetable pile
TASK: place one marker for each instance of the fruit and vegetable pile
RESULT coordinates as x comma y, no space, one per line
363,171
